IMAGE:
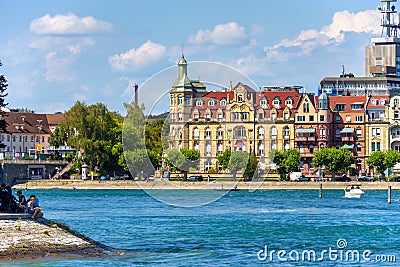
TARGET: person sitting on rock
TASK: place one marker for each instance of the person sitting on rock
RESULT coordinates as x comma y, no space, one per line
22,201
33,206
5,197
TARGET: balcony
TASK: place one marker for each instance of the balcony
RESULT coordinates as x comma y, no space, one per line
300,139
347,138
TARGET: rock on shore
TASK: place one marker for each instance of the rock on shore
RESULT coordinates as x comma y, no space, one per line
29,239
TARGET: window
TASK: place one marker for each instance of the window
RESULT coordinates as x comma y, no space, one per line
196,116
273,144
359,118
220,133
376,131
260,116
383,102
245,116
276,101
263,102
375,146
374,102
260,149
358,133
273,132
348,118
396,101
311,149
289,101
286,116
208,133
359,148
286,145
322,132
196,132
211,102
187,100
321,146
208,149
180,100
208,116
220,148
321,117
273,116
311,118
338,118
261,133
240,132
240,98
301,148
372,115
220,117
396,115
199,102
306,107
180,116
357,106
340,107
338,133
196,146
236,116
222,102
301,118
286,132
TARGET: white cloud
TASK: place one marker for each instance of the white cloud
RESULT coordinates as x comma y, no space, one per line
230,33
143,56
333,34
68,24
59,68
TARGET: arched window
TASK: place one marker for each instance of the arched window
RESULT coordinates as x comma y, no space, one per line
289,101
374,101
180,100
208,132
260,149
196,146
220,148
286,131
211,102
222,102
396,101
196,132
220,133
261,132
276,101
199,102
208,149
306,107
273,132
263,102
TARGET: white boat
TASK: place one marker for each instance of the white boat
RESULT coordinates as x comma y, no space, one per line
353,191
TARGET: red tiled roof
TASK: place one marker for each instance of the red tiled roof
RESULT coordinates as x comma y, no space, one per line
378,99
348,100
55,119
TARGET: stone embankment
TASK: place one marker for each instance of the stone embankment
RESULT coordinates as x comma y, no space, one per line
26,239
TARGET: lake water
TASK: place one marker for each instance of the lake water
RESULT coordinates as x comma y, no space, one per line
232,231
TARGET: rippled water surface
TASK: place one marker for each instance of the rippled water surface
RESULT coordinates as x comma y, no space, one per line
228,232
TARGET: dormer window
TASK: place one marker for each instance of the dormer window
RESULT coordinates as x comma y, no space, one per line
289,101
383,102
212,102
240,98
263,102
374,102
199,102
396,101
222,102
276,101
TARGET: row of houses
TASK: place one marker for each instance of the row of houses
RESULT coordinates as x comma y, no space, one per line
279,118
28,135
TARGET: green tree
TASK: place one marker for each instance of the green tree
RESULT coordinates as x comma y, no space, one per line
183,160
251,167
287,161
383,160
333,159
223,159
237,162
3,104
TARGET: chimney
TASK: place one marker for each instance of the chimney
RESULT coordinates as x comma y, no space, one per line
136,93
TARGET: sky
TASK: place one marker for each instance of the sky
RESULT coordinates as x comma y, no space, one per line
55,53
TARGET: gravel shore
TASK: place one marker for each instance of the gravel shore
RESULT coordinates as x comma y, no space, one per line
36,239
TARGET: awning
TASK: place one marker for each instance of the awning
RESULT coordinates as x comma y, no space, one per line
347,146
347,130
305,130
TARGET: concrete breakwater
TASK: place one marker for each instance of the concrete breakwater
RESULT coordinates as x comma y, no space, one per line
25,239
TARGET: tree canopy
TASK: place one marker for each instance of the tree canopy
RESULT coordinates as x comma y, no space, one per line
287,161
3,104
333,160
382,160
234,161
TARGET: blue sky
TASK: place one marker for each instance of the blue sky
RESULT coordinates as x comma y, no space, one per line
57,52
